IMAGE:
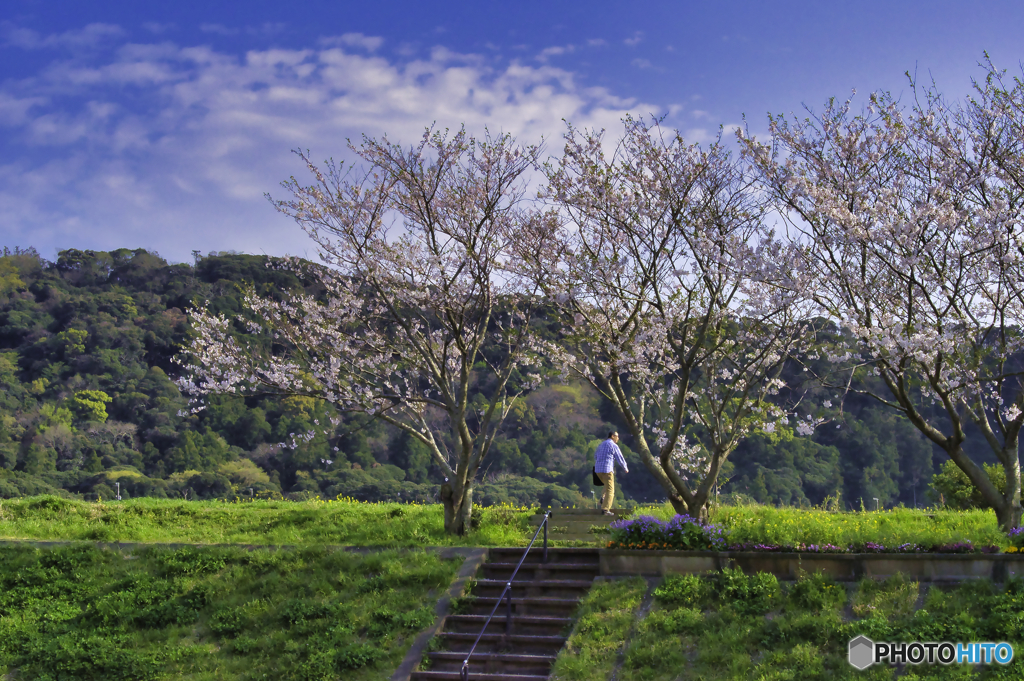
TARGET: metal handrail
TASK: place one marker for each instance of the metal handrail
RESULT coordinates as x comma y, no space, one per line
464,672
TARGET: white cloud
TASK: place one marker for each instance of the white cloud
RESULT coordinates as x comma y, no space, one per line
641,63
184,162
597,42
357,40
555,51
90,36
635,39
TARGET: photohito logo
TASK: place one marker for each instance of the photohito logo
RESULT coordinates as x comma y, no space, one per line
864,652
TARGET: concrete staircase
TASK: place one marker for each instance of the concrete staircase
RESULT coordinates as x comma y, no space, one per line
544,598
579,524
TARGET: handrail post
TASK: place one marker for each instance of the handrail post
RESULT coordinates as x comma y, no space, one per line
544,556
464,672
508,612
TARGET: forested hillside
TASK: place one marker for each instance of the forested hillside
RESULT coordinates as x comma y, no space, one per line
88,403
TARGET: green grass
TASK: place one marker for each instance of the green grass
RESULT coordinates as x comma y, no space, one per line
353,523
735,627
80,612
344,522
896,526
604,620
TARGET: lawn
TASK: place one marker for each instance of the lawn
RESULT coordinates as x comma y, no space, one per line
353,523
342,522
215,613
891,527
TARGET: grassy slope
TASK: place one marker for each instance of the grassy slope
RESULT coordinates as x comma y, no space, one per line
78,612
603,623
735,628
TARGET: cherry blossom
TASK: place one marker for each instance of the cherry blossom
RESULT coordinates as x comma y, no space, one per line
911,218
678,304
415,306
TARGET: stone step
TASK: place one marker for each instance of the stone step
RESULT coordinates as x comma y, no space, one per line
497,643
523,647
582,511
539,588
565,554
492,663
587,531
530,625
580,537
534,571
455,676
575,522
547,607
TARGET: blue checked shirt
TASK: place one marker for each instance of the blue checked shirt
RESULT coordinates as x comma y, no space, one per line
606,456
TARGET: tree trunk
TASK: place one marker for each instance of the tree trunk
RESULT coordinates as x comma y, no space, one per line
1007,506
653,465
458,509
1009,516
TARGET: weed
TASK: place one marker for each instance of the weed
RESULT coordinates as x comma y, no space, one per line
684,590
885,599
817,593
751,594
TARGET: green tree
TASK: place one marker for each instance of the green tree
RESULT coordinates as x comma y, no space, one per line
90,405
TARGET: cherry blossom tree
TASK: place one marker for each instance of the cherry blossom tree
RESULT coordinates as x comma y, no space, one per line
677,304
912,219
416,313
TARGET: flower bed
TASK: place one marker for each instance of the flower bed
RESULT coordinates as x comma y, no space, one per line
686,533
681,532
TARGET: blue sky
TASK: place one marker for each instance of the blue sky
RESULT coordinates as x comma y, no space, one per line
161,125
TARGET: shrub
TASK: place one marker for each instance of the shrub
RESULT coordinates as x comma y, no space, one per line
684,590
817,593
957,490
682,621
753,594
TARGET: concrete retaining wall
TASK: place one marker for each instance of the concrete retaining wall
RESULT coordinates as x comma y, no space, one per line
925,567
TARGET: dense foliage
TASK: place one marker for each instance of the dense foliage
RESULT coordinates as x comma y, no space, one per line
89,407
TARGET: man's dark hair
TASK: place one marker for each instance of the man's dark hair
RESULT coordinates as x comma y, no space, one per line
612,433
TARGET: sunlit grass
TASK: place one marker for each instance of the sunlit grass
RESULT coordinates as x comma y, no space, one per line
341,522
353,523
770,524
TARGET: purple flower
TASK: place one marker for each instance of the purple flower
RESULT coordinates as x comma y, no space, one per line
957,547
681,532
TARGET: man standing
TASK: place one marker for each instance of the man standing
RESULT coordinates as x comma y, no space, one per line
605,458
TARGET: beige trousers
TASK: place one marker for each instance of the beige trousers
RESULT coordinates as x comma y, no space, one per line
609,490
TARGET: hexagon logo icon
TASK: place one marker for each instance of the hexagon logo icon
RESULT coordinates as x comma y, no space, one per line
862,652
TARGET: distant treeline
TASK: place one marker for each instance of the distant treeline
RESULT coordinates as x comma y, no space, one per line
89,407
